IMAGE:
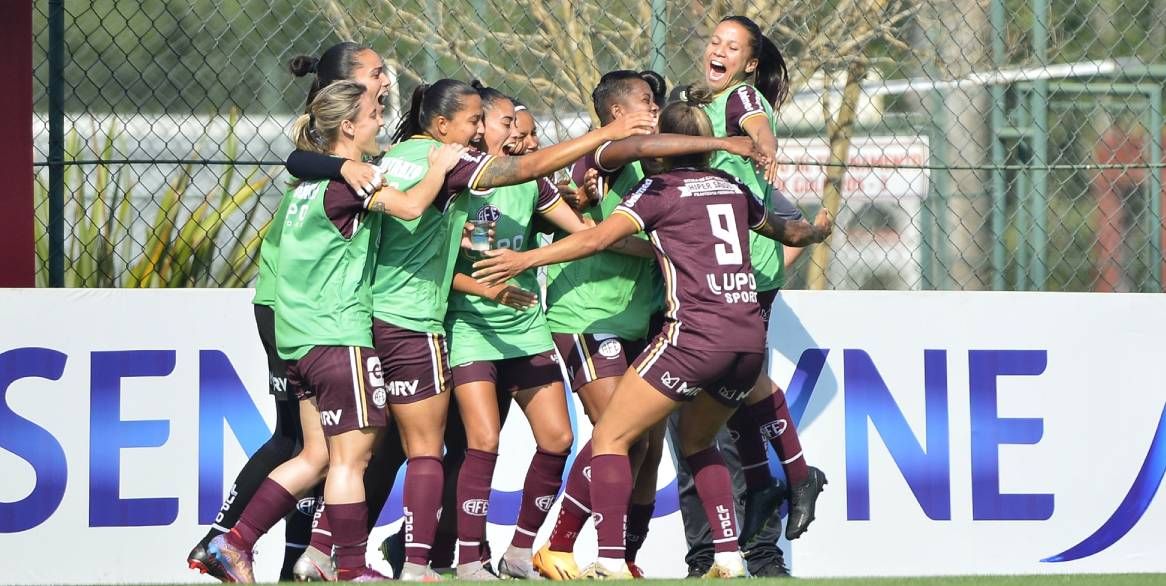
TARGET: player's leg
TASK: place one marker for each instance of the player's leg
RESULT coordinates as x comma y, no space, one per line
697,534
475,395
644,496
635,407
281,446
593,377
539,392
352,401
419,405
699,423
275,497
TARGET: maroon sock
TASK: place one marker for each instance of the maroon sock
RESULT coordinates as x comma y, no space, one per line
270,503
473,502
775,424
543,479
349,522
751,450
611,491
576,503
639,516
715,489
422,500
321,529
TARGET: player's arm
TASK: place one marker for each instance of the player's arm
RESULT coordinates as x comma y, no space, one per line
567,220
502,294
634,148
502,171
363,178
795,233
505,264
758,128
411,203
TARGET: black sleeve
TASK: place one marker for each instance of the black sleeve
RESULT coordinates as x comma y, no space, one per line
309,166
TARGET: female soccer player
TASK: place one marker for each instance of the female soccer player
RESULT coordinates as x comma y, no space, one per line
341,61
496,346
710,350
323,329
746,74
414,273
526,141
599,307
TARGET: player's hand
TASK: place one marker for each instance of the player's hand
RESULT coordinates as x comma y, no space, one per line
511,296
469,228
591,187
446,156
363,178
823,224
771,171
741,146
499,266
631,125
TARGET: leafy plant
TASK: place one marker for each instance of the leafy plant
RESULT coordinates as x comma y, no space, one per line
108,243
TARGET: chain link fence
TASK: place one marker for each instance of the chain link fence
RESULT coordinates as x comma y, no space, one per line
995,144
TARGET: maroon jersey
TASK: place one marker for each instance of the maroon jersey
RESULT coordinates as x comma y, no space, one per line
699,222
591,161
344,207
463,176
742,104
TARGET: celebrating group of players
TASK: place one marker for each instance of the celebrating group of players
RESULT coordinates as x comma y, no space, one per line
379,310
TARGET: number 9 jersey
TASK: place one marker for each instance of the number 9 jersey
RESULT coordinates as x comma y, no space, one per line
699,222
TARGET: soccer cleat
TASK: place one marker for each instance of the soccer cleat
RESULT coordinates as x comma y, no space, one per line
598,571
555,565
200,559
314,566
636,571
393,549
475,571
725,572
802,499
773,570
418,573
365,574
517,563
234,558
762,508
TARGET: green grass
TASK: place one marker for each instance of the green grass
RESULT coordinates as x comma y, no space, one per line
1042,580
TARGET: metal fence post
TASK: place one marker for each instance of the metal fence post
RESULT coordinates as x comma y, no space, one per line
56,232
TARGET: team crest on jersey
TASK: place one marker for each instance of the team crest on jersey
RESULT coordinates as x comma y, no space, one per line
380,397
488,213
610,348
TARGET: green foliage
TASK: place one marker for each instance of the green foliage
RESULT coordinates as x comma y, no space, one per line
215,244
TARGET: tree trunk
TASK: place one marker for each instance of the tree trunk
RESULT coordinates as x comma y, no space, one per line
839,130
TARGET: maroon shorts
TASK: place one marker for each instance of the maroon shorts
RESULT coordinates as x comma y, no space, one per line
347,384
680,373
765,300
511,375
590,357
416,363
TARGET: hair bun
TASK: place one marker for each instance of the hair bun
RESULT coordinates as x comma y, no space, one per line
698,96
477,84
302,65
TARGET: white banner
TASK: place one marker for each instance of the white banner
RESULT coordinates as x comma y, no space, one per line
962,433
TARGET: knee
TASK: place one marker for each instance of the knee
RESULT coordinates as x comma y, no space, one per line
315,457
558,441
604,441
485,440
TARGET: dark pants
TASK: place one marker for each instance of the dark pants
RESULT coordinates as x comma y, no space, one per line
762,549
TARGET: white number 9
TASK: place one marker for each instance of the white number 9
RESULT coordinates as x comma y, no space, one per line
723,223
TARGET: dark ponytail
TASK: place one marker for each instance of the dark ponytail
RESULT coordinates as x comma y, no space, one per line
337,63
489,95
772,75
442,98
